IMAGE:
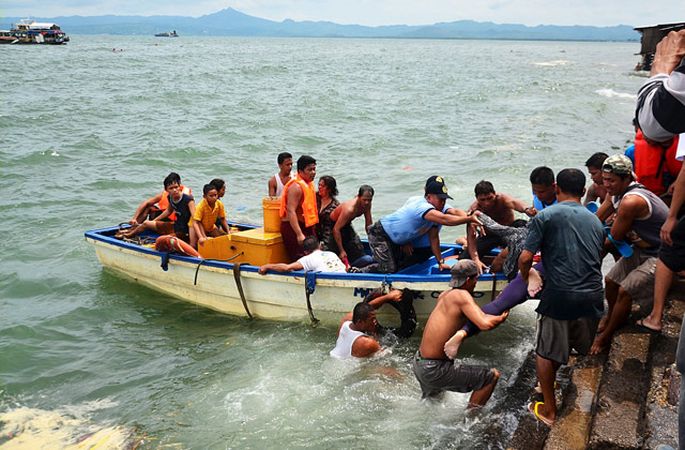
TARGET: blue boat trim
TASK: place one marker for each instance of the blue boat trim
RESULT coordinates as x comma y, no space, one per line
106,235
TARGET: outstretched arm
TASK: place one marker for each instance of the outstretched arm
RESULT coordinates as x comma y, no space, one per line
281,267
476,315
436,216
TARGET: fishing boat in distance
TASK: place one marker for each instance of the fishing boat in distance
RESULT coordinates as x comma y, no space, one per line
28,31
227,279
167,34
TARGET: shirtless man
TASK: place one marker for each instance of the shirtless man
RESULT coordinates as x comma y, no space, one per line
433,369
278,181
357,335
500,208
299,213
596,191
347,242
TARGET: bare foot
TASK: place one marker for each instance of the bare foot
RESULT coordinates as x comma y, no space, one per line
599,345
452,346
602,324
534,282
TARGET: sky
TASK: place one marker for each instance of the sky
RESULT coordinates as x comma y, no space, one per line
377,12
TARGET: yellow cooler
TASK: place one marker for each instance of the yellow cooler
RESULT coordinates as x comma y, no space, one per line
254,246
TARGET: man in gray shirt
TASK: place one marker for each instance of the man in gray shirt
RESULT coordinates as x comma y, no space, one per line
571,240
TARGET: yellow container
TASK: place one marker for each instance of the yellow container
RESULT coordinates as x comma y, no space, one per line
254,246
272,218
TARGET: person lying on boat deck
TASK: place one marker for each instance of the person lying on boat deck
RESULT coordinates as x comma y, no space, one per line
358,332
392,235
434,371
281,178
208,211
326,202
515,293
544,194
500,208
596,191
153,207
298,212
345,240
639,217
315,260
220,186
571,240
172,187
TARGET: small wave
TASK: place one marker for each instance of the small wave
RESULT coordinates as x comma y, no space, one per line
610,93
556,62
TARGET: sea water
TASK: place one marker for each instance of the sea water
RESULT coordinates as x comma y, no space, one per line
90,129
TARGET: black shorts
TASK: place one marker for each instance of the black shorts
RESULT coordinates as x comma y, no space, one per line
674,256
554,338
438,375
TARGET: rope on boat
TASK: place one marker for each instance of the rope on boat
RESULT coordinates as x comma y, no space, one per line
309,287
239,284
204,260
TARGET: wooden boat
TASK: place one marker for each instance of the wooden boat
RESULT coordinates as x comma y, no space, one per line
234,286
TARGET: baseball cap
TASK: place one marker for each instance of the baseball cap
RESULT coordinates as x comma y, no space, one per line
461,271
436,185
618,164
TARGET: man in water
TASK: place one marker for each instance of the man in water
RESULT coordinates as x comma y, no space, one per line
358,332
571,240
500,208
437,373
299,212
392,235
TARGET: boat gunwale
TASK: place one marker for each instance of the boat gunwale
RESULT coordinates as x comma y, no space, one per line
99,235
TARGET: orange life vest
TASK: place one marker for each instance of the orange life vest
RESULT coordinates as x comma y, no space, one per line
655,166
163,203
309,209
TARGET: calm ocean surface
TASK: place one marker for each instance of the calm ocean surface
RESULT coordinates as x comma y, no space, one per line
87,133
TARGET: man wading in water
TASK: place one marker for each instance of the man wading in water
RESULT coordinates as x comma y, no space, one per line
437,373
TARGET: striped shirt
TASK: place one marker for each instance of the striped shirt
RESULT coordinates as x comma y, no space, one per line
661,105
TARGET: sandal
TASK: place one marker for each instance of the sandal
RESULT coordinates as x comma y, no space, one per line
533,409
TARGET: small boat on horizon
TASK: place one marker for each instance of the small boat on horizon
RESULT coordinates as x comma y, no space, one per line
167,34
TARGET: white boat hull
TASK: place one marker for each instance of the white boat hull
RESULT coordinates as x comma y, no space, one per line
273,296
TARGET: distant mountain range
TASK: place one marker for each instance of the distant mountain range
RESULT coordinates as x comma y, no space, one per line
230,22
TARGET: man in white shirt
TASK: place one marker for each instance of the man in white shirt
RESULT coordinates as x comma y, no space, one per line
357,336
315,260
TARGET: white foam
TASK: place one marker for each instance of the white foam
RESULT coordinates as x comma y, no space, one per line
555,63
36,428
610,93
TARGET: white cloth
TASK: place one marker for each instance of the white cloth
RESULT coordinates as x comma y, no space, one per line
279,185
321,261
346,338
680,151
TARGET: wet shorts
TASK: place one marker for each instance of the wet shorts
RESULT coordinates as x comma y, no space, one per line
438,375
674,256
554,338
634,274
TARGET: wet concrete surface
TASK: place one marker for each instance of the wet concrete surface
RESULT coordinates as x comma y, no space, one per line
627,399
